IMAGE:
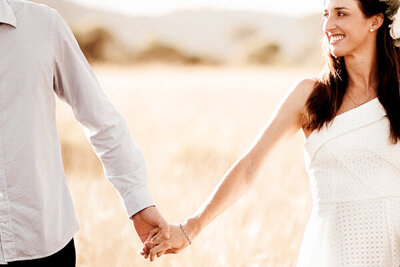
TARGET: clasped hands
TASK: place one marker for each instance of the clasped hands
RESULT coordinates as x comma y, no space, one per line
159,237
157,245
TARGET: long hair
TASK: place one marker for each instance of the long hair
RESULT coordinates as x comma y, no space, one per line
329,89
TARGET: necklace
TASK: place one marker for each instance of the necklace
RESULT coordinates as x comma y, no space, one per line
357,105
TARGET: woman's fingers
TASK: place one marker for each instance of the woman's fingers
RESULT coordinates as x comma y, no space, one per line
157,245
147,244
153,232
156,239
160,248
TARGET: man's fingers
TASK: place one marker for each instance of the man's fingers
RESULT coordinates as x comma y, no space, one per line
175,251
159,254
160,248
146,248
148,245
170,251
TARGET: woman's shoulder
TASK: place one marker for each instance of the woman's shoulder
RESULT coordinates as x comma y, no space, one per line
306,85
295,99
301,92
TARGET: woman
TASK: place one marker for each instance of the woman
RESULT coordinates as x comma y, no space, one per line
351,121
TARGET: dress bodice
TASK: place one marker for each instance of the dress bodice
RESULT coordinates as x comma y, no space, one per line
354,172
353,158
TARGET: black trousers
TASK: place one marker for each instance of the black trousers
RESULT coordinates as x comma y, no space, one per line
66,257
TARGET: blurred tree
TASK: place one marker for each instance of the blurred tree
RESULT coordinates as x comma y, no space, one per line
159,51
258,50
93,41
264,53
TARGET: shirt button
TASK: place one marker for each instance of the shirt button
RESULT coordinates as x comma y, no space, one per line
1,195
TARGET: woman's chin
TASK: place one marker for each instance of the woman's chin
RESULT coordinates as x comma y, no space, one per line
337,53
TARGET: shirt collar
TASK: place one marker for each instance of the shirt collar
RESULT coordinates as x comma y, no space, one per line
7,14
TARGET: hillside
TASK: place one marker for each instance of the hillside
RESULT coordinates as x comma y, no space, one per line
210,32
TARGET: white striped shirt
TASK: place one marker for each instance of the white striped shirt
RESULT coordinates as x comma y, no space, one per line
40,58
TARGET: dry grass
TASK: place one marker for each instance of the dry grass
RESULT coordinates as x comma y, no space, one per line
192,124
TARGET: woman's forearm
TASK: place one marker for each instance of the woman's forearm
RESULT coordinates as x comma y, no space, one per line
235,183
285,122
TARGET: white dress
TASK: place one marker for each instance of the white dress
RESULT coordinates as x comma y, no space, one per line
354,174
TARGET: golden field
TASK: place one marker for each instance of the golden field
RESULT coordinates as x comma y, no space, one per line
192,124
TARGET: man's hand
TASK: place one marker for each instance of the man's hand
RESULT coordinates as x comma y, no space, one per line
157,245
148,219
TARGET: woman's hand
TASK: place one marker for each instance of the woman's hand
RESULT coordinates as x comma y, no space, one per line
156,245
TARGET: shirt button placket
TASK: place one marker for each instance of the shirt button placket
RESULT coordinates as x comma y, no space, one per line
6,231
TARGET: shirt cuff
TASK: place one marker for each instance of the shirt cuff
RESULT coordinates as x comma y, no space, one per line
137,200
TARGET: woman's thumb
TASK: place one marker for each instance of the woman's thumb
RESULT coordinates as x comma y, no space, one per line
165,230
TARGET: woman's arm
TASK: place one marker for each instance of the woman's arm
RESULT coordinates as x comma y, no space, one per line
284,122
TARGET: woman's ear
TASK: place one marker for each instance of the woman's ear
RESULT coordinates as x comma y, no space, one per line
377,21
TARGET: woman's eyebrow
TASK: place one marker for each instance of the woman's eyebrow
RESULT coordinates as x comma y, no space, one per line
341,7
336,9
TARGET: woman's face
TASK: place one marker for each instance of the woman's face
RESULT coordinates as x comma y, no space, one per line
345,27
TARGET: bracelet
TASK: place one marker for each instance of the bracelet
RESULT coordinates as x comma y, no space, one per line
184,232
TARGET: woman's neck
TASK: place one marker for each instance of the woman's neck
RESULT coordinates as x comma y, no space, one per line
362,71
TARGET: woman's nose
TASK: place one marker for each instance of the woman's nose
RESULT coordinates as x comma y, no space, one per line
329,24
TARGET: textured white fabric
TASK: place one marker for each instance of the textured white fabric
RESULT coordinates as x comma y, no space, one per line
39,59
354,174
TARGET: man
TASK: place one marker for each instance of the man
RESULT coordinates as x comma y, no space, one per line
40,56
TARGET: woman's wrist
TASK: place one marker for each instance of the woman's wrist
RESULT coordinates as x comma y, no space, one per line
192,227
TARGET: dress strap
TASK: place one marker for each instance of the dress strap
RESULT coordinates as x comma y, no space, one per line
351,120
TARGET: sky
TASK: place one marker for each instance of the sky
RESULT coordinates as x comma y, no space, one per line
158,7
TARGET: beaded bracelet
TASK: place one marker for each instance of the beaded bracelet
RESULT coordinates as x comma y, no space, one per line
184,232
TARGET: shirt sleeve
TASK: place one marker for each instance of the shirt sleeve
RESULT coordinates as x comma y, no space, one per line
75,83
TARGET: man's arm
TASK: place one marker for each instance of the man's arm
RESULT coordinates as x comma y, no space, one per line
123,163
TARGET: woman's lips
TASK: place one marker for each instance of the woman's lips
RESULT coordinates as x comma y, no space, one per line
335,39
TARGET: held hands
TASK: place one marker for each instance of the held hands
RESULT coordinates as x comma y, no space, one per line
147,220
157,245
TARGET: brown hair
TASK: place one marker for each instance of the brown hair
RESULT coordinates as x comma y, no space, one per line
327,95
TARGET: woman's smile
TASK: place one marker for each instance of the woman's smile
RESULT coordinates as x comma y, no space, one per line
335,39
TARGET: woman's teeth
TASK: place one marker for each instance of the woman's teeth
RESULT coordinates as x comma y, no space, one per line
337,38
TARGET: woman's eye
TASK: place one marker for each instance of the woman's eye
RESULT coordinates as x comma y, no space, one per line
339,14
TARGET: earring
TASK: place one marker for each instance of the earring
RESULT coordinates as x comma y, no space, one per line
371,30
